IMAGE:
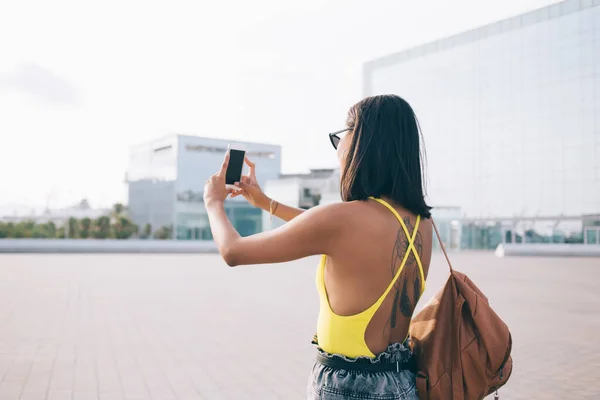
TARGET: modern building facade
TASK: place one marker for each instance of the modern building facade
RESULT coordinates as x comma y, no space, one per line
166,182
510,115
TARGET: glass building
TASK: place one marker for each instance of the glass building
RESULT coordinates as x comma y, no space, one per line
510,114
166,182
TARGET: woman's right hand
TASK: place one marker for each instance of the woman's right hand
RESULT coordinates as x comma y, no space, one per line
250,189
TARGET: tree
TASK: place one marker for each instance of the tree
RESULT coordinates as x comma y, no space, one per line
116,225
60,232
86,228
118,209
147,232
164,233
22,229
51,229
123,228
73,228
44,231
7,230
102,228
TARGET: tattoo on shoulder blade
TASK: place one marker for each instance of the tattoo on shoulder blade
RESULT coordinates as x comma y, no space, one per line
404,300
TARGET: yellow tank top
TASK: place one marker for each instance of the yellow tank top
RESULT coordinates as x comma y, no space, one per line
338,334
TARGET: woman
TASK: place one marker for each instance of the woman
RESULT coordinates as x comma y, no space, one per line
375,247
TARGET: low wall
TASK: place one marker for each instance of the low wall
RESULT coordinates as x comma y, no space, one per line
550,250
104,246
199,247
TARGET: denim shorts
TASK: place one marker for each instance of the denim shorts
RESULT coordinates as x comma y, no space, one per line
327,383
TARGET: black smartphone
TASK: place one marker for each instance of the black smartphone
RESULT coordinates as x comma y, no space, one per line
234,169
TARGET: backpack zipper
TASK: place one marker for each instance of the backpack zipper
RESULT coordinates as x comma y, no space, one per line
506,356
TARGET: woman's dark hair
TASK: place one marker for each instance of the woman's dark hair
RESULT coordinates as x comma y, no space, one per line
384,157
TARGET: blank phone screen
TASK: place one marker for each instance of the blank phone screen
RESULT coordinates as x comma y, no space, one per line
234,169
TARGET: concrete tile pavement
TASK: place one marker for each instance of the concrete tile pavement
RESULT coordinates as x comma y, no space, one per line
124,327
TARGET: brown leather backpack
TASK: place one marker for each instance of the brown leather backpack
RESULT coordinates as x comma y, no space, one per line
462,348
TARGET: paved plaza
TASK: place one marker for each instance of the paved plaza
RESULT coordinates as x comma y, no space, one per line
166,327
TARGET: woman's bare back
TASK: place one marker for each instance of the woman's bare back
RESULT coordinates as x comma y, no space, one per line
363,263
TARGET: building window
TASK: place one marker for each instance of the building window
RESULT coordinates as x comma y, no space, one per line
261,154
591,236
210,149
164,148
189,196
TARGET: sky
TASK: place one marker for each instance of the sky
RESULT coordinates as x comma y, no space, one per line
81,82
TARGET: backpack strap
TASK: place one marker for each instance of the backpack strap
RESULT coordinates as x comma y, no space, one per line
441,244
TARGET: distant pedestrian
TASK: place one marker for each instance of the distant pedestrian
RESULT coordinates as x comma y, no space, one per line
375,247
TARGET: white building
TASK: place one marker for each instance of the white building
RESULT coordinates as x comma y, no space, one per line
166,182
510,114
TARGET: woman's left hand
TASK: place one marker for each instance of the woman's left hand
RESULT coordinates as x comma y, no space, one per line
214,189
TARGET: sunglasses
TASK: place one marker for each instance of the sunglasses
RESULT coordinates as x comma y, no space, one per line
335,139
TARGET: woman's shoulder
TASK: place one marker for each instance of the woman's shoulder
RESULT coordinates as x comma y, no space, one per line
350,213
340,216
339,213
339,209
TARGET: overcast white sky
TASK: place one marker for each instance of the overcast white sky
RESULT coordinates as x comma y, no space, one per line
81,81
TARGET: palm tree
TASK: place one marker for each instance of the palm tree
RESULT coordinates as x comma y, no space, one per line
124,228
73,228
51,229
102,228
86,226
118,209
